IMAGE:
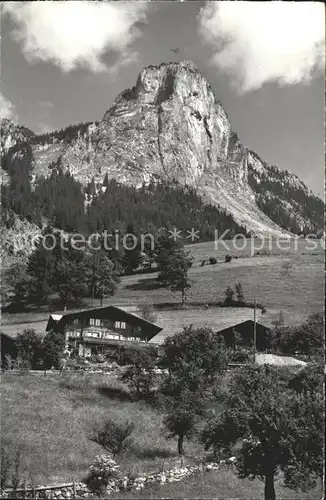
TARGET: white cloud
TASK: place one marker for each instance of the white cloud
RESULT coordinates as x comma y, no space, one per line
74,34
259,42
6,108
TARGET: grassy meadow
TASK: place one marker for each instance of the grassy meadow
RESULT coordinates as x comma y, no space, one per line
51,419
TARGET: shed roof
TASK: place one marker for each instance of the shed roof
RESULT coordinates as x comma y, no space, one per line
248,322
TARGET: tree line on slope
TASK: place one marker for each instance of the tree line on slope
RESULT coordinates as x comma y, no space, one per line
61,266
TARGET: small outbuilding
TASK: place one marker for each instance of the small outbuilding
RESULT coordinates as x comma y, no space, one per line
245,331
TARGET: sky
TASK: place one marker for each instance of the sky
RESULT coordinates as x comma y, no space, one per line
65,62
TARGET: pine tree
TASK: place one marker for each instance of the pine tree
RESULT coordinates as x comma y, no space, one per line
174,274
132,254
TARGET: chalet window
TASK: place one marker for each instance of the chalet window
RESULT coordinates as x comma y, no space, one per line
120,324
97,322
91,321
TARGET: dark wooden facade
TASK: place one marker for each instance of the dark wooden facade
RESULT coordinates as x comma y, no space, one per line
95,329
246,332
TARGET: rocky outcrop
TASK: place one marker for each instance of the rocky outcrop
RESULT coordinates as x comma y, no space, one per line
11,134
169,126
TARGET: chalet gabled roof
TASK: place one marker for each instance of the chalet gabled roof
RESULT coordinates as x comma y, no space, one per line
249,322
63,319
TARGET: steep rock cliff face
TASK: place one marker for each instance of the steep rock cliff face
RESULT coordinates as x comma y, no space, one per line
283,196
171,126
10,135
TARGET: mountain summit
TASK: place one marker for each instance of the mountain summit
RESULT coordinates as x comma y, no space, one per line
171,126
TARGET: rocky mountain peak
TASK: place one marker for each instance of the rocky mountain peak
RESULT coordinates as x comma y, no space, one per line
168,126
157,84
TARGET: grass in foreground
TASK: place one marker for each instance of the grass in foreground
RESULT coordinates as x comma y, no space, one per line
51,420
218,485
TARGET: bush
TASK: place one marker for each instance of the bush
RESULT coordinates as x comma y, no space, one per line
113,435
212,260
228,258
238,356
100,358
103,470
229,293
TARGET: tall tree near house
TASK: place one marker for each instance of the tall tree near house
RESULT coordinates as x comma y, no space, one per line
41,266
165,247
70,282
174,274
132,254
194,356
101,274
278,429
53,346
139,375
307,339
29,346
10,278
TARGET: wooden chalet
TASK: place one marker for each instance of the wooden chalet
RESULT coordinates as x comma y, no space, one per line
245,329
102,328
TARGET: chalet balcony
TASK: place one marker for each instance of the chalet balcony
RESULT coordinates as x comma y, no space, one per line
101,334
